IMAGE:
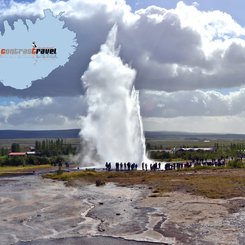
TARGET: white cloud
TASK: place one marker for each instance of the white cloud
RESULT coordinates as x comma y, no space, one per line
185,51
192,103
16,108
214,27
43,113
194,111
197,124
195,4
78,9
176,49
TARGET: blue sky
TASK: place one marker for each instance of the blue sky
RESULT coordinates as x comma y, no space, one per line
8,100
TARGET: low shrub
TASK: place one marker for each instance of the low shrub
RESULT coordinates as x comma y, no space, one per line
235,164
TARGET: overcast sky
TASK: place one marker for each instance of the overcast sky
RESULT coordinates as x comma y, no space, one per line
189,58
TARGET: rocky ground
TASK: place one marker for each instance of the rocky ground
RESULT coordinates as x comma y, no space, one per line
40,211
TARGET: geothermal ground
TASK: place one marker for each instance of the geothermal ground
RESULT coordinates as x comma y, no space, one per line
42,211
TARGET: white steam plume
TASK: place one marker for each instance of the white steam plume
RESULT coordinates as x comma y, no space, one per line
112,130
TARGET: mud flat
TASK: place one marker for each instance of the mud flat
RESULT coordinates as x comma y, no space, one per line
39,211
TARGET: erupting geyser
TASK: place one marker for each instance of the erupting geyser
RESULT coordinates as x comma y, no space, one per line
112,130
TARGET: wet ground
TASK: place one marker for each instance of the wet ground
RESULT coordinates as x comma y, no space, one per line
36,211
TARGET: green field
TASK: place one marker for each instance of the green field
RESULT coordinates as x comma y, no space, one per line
166,143
19,170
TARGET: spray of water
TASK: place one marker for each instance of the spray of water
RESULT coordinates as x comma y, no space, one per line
112,130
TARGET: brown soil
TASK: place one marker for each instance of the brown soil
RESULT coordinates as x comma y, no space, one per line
216,183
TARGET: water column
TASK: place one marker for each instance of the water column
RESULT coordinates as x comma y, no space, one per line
112,130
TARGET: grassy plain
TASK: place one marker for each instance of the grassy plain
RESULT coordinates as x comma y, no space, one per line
31,142
212,183
167,143
159,143
15,170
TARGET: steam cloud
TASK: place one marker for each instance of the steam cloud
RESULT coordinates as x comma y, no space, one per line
112,130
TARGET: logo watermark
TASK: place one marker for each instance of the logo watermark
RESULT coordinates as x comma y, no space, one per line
34,52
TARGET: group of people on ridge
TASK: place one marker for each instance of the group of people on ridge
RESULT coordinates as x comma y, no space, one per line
122,166
132,166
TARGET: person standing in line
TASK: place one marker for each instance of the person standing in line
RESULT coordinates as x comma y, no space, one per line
128,165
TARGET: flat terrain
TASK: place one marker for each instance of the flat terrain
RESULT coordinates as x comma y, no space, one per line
211,183
24,170
38,211
131,208
168,207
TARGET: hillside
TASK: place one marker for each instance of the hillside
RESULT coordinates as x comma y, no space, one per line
157,135
37,134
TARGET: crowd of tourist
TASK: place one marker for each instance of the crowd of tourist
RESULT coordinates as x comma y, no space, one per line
120,166
132,166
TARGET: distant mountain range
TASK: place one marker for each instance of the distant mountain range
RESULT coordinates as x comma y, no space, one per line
31,134
167,135
74,133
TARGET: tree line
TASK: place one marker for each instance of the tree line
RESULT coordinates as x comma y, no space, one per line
54,148
233,150
46,152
